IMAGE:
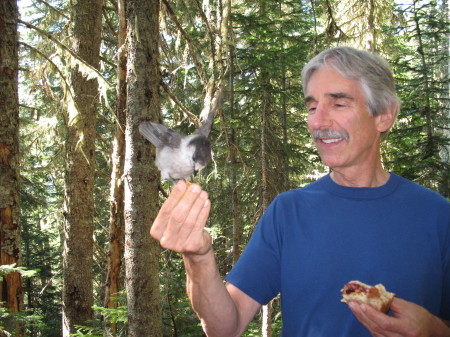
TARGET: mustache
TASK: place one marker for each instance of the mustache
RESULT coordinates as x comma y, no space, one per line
329,133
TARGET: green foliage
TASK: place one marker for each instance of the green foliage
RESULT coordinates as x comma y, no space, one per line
83,331
11,268
262,123
421,67
28,320
117,315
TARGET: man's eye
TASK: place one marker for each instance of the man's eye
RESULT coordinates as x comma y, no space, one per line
312,109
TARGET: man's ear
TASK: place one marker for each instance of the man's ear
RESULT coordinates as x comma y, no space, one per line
387,118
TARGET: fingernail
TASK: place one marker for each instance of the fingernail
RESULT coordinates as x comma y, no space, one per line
363,307
204,195
206,204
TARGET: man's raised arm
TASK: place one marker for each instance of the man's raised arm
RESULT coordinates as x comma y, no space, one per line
224,310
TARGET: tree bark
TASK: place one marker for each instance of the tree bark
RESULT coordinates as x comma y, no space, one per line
267,309
80,166
232,147
444,185
141,176
116,220
10,245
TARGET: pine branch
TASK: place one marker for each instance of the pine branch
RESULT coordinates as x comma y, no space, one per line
78,59
192,118
37,51
197,64
62,14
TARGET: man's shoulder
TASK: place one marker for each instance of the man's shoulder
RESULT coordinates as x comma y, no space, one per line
415,191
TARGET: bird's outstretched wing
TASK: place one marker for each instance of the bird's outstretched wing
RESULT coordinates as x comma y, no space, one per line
160,135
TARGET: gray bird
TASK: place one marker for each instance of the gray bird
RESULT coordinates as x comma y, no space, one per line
179,156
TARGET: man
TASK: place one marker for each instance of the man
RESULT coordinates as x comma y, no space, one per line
358,222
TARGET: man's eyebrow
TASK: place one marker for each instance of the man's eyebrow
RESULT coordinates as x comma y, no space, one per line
340,95
309,99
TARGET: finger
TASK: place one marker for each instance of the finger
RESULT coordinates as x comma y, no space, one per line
359,314
360,311
175,196
196,240
186,207
378,323
192,219
398,306
201,222
200,241
159,225
203,216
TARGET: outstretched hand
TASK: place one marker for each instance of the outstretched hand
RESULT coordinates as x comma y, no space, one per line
408,320
179,225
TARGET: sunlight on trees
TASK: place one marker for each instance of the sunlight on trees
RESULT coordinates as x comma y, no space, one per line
255,50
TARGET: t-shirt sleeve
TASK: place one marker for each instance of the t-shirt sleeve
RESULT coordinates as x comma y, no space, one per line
445,307
257,272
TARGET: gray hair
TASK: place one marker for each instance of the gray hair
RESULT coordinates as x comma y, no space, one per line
372,72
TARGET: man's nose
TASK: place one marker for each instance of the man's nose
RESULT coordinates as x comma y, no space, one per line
320,118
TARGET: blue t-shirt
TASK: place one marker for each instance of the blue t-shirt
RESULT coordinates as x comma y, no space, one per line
313,240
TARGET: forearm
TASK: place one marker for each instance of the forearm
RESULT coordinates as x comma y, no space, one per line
209,296
443,330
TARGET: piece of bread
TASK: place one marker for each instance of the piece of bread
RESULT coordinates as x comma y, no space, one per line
376,296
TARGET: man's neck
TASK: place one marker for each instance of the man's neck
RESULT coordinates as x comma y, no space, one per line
375,178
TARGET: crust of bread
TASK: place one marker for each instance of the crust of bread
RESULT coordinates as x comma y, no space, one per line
376,296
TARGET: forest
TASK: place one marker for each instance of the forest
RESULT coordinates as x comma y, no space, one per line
79,188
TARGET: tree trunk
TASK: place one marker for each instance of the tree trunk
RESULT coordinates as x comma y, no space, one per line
267,309
141,176
444,185
10,248
116,220
80,166
431,148
232,146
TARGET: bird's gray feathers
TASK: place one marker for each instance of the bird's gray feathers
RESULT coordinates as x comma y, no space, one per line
202,146
179,156
160,135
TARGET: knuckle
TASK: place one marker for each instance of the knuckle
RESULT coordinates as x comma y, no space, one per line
166,243
155,232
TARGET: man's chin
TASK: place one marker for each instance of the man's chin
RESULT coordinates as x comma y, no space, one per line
328,161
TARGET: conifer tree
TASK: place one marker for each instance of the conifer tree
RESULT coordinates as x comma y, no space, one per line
10,243
141,178
78,297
